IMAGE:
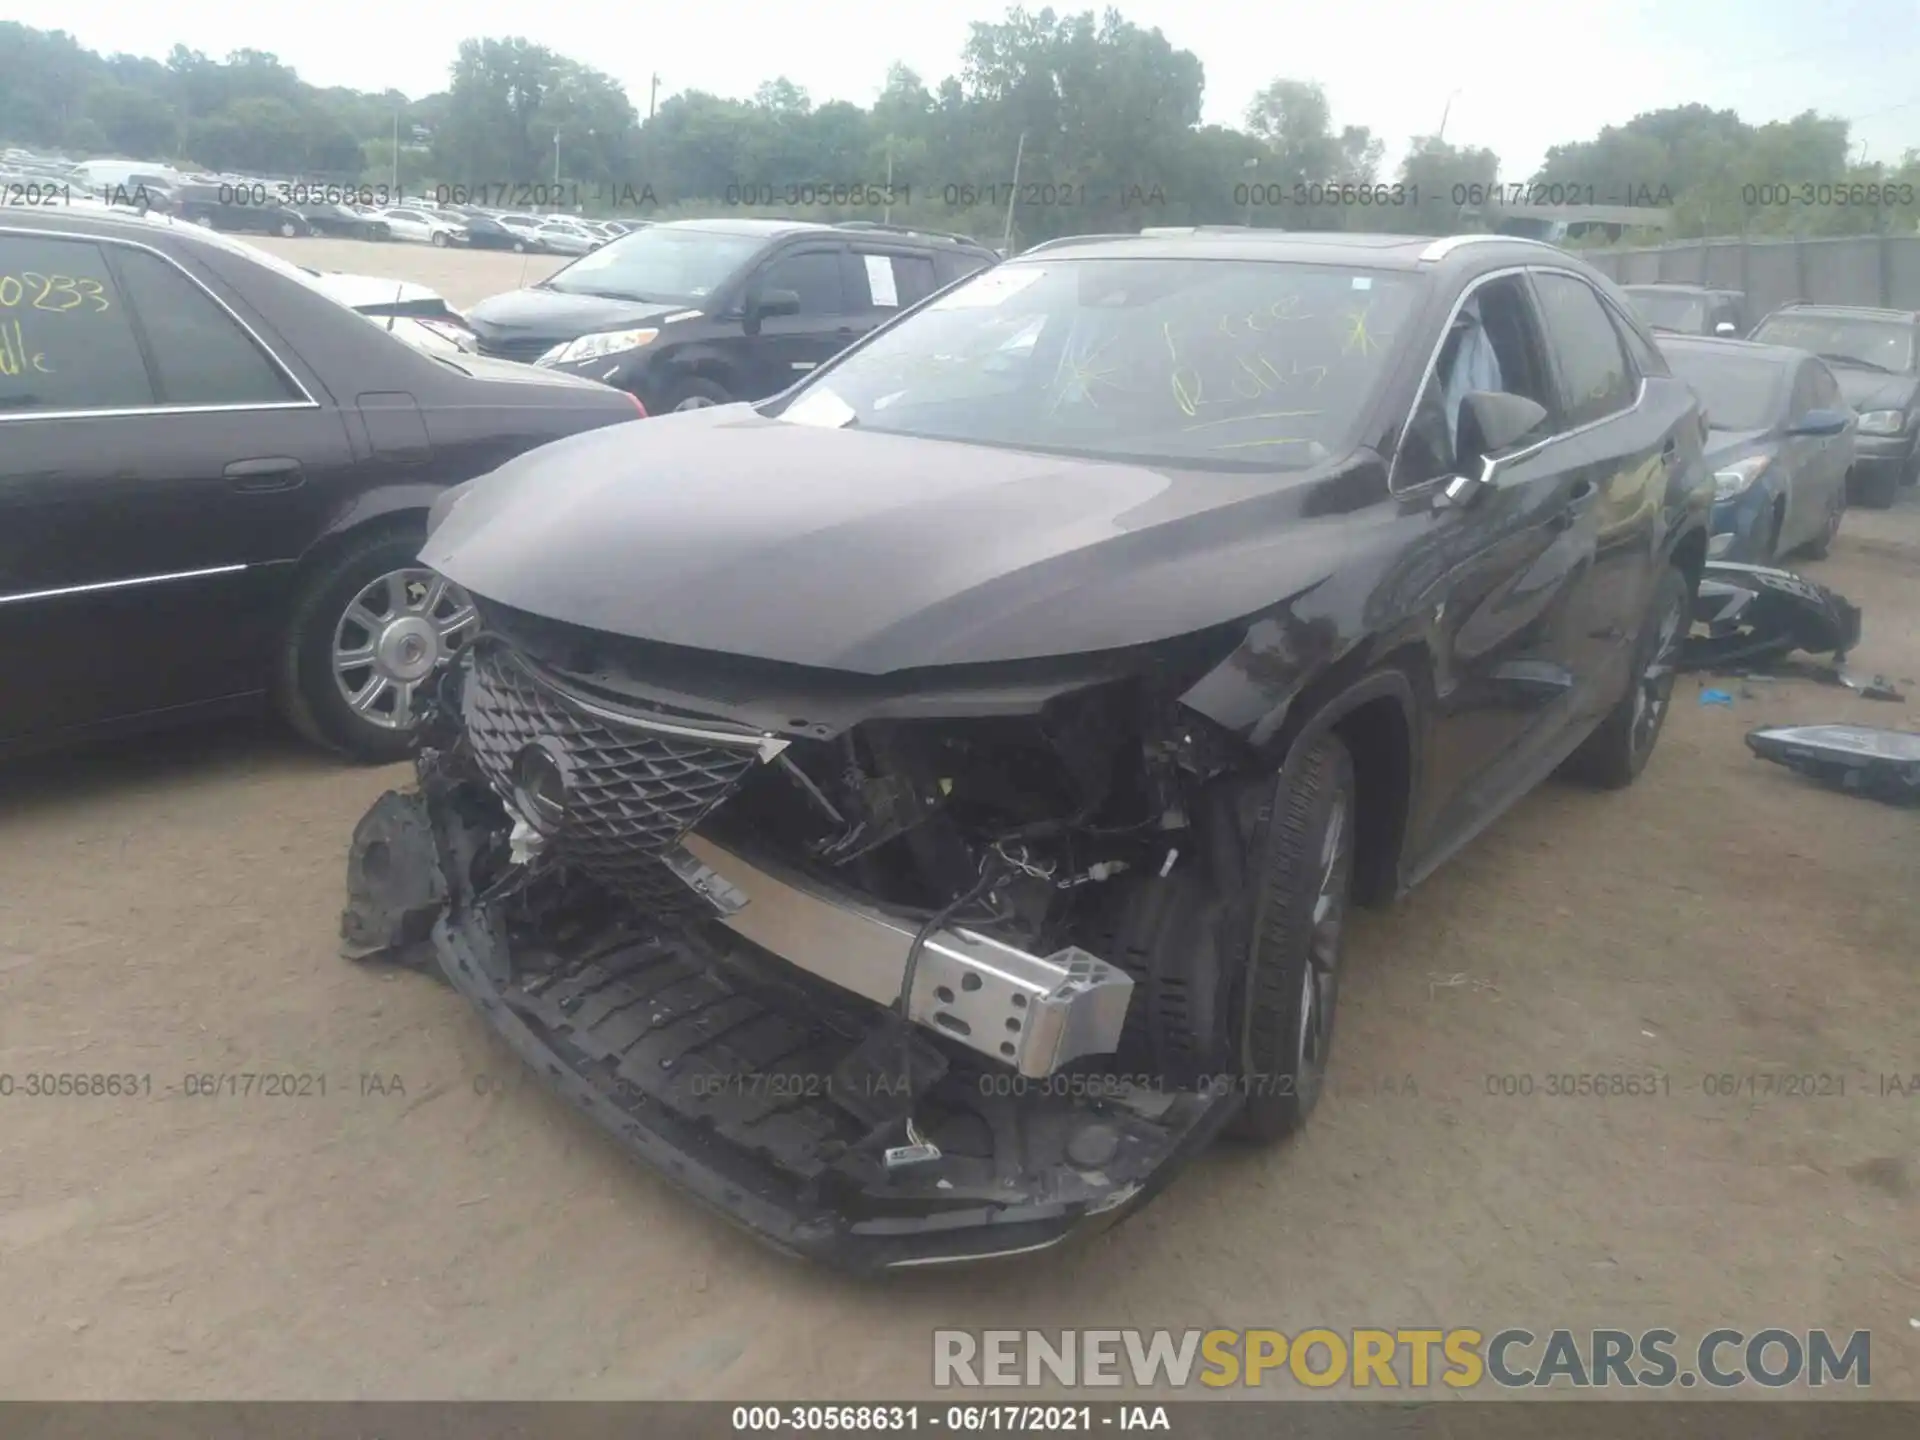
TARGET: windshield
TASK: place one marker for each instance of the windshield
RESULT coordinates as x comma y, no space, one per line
1666,310
1738,392
1221,364
1846,339
664,264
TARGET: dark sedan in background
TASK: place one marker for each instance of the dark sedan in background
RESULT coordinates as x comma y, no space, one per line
1875,355
215,208
338,220
214,480
1780,441
1690,309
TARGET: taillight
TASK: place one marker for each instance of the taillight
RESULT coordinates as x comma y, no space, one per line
636,404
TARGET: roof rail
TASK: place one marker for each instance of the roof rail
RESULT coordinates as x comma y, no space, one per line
920,230
1062,240
1446,245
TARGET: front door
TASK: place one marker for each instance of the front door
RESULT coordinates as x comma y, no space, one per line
787,347
1497,578
158,472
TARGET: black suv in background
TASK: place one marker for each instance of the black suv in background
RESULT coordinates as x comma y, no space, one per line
1875,355
704,312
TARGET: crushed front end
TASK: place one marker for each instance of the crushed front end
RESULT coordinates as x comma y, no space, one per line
889,988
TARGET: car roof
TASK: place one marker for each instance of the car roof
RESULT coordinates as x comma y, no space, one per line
1677,287
1375,252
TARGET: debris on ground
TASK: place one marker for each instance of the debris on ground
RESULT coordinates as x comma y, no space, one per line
1871,687
1860,759
1752,617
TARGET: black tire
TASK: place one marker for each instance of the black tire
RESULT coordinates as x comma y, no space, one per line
1821,545
1875,489
305,687
1615,754
695,393
1303,871
439,238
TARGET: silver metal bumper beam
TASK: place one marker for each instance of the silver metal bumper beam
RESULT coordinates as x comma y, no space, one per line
1032,1013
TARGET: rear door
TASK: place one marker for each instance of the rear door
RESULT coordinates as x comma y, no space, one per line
1622,412
885,280
788,346
159,469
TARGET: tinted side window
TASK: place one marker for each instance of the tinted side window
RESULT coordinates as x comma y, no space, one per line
1593,363
813,275
952,264
66,340
1802,400
200,355
896,281
1826,390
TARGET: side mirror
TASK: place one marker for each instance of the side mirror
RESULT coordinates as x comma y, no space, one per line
1820,423
773,302
1490,422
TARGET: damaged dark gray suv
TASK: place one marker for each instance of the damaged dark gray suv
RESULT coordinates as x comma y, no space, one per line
918,812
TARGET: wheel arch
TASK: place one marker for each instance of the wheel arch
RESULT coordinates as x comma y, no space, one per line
1375,715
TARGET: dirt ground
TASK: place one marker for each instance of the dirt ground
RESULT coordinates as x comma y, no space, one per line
169,908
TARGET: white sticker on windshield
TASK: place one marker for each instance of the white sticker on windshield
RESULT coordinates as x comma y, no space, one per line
1363,282
880,281
992,287
819,407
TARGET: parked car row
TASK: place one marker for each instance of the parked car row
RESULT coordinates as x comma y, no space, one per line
1871,354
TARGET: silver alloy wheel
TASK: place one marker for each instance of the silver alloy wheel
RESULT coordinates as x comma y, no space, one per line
392,637
696,402
1319,977
1653,690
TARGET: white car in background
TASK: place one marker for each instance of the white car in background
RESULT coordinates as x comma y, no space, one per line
525,226
423,227
565,237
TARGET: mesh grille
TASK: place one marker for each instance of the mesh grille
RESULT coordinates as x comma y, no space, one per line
632,792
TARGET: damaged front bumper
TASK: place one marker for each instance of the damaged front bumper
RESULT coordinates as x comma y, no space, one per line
760,1086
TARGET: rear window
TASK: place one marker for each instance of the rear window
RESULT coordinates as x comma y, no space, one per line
1856,340
1738,392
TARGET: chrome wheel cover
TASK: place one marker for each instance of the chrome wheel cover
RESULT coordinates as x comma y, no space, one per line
391,638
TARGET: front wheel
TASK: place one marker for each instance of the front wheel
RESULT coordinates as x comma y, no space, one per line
697,394
368,631
1304,871
1615,754
288,229
519,247
439,238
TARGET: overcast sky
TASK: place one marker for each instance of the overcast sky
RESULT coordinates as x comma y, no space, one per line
1528,75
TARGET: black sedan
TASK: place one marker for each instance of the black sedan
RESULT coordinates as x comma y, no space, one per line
339,221
214,480
486,233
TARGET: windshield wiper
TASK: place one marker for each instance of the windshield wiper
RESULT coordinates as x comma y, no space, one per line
1853,360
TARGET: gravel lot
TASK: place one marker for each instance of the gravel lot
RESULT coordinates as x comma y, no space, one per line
168,908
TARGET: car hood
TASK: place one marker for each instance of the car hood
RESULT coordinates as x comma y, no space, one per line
1871,390
556,316
723,531
485,367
